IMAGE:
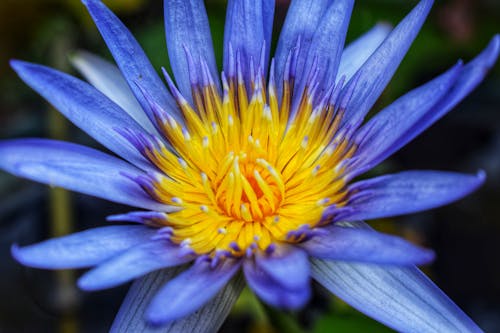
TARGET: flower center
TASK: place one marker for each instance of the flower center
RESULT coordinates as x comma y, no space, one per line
248,189
241,173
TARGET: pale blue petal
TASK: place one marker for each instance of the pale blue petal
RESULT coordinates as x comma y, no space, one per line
401,298
356,53
364,245
190,290
75,168
247,26
131,59
82,249
85,106
405,192
187,30
378,70
133,263
108,79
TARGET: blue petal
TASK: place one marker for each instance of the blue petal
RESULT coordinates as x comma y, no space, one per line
208,318
268,19
406,192
187,29
401,298
246,30
86,107
364,245
76,168
382,135
411,114
131,59
281,279
356,53
301,22
377,71
133,263
156,219
82,249
288,265
471,75
108,79
190,290
272,292
328,43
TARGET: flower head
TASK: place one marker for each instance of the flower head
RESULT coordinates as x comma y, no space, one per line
254,168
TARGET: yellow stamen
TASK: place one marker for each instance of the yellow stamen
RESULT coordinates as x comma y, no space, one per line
242,175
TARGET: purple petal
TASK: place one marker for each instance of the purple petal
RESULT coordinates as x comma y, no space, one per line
133,263
401,298
471,75
378,138
85,106
108,79
130,58
281,278
364,245
377,71
406,192
246,30
411,114
187,29
208,318
190,290
273,292
288,265
356,53
75,168
82,249
268,19
301,22
328,42
149,218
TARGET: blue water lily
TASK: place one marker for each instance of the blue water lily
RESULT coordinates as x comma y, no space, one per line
254,169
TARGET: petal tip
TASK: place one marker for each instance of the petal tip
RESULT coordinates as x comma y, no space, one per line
83,284
481,177
384,26
494,48
422,9
22,257
15,251
18,65
86,283
496,40
428,256
155,318
77,56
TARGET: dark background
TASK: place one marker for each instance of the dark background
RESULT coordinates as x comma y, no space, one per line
465,235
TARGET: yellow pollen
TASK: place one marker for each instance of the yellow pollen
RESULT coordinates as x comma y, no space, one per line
242,174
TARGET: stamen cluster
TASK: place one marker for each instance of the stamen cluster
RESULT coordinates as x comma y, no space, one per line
245,170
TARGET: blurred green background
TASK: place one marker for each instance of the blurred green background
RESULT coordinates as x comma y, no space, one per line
465,235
